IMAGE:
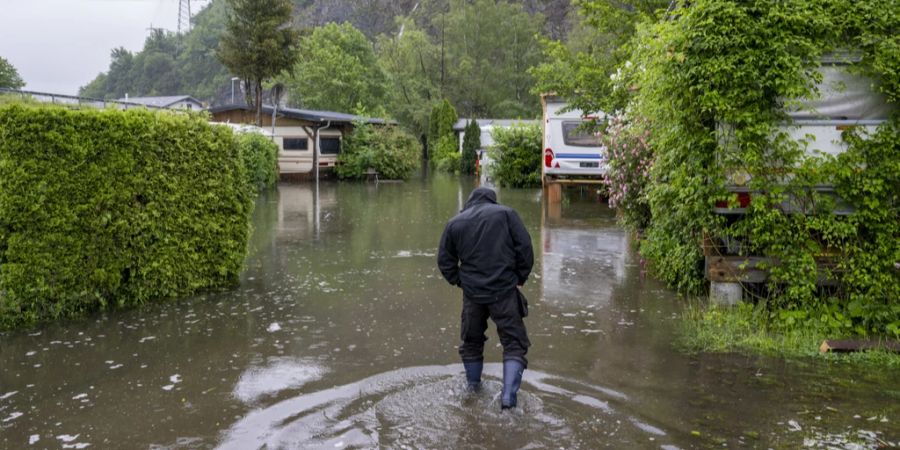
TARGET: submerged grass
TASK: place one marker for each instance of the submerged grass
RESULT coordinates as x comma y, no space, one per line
747,329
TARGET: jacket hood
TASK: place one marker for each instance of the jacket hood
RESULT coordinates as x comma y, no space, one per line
481,195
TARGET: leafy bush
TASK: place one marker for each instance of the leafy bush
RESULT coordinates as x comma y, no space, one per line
391,151
470,146
517,155
260,157
446,156
106,208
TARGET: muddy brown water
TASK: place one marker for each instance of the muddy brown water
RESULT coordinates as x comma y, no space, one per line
343,335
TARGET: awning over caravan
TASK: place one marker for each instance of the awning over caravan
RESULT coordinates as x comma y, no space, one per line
307,115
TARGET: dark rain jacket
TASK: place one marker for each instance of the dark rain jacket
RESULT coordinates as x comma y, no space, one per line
485,249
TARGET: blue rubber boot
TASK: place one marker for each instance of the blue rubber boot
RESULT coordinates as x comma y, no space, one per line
512,379
473,374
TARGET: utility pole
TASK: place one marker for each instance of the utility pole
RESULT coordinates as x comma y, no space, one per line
184,16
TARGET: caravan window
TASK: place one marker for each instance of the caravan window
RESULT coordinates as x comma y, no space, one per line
330,146
574,134
295,144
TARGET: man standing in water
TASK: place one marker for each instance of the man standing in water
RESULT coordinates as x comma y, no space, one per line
486,251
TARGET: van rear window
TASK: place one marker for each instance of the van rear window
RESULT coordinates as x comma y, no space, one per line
577,136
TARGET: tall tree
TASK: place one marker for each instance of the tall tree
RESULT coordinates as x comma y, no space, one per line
121,74
258,43
9,76
579,69
490,44
411,62
337,70
471,144
440,125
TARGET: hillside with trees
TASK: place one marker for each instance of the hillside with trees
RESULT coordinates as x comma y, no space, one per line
393,58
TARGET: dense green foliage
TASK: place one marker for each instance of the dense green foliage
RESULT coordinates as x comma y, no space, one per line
517,155
446,156
489,45
471,144
408,61
709,87
104,208
337,71
9,76
579,68
389,150
257,45
443,147
260,157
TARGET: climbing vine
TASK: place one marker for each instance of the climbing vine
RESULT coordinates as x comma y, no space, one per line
711,86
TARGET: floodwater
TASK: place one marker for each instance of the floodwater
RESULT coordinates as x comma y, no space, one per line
342,334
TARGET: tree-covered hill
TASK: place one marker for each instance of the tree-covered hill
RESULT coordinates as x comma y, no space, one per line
392,57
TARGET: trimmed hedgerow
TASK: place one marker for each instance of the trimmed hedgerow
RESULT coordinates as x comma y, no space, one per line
260,157
517,156
103,208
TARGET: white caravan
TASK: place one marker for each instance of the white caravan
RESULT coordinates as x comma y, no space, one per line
570,152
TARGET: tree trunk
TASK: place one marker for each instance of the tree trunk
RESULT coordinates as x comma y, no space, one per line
258,88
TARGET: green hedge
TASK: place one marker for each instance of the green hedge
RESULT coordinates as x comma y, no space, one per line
260,157
517,156
107,208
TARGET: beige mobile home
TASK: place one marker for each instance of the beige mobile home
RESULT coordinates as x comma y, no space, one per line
304,137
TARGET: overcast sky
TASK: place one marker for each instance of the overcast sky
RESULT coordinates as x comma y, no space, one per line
60,45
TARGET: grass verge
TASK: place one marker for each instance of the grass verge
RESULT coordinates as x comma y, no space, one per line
747,329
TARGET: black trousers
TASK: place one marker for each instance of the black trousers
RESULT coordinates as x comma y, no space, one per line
507,315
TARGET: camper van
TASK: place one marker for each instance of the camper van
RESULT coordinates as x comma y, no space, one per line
847,101
571,151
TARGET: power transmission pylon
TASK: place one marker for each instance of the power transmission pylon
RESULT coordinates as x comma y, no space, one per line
184,16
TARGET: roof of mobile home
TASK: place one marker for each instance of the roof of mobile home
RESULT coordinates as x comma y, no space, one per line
308,115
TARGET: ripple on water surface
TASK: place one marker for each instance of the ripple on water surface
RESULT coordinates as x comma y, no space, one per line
428,407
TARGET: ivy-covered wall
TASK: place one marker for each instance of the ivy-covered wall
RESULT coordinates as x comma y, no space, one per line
708,87
105,208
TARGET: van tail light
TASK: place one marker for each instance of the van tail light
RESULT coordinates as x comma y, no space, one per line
548,157
743,201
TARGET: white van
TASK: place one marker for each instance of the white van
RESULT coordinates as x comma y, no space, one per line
569,151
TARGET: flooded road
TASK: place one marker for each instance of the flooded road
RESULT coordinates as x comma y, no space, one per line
342,334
